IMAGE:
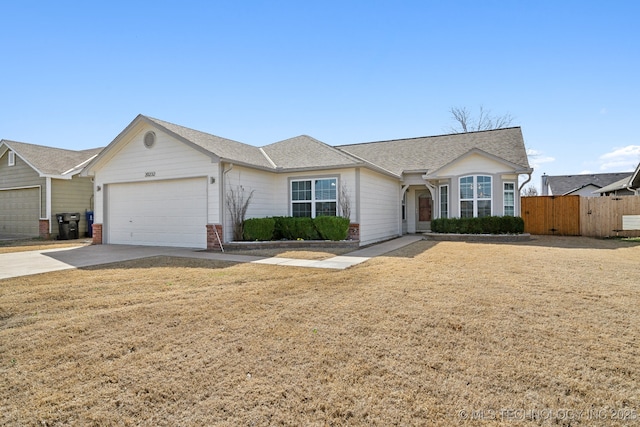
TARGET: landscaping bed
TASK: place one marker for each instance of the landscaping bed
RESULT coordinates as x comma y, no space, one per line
455,237
291,244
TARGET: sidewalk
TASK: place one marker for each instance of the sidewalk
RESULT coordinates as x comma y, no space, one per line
42,261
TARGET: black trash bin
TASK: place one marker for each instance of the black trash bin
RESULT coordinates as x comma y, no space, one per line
89,215
68,225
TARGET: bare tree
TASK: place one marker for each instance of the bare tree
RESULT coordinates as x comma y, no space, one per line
237,206
344,201
530,191
466,122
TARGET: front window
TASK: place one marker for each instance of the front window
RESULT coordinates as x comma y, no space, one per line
509,198
444,201
475,196
314,197
12,158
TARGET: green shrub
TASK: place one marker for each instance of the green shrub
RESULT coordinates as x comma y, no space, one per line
293,228
304,229
259,229
484,225
332,227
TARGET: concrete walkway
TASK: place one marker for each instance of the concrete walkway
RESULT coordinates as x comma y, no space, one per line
34,262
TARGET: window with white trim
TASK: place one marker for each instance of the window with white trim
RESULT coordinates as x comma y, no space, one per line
475,196
444,201
509,197
12,158
314,197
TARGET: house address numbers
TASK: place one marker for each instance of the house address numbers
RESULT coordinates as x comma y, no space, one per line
149,174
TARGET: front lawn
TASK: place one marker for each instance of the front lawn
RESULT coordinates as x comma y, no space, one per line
438,333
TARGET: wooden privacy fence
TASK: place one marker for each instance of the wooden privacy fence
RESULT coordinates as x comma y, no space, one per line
603,216
558,215
585,216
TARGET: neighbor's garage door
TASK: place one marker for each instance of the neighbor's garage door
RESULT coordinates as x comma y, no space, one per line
158,213
20,212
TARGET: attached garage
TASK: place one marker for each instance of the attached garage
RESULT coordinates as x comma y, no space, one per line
20,212
158,213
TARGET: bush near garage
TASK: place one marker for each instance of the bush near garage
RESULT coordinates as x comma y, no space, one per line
259,229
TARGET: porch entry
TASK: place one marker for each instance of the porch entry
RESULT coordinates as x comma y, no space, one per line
424,210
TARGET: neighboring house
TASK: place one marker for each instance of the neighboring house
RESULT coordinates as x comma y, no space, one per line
634,182
580,185
158,183
36,182
629,185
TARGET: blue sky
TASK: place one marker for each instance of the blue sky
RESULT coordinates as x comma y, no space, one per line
74,74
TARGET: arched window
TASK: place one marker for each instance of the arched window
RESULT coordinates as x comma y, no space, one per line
475,196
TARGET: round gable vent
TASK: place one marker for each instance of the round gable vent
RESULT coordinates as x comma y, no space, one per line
149,139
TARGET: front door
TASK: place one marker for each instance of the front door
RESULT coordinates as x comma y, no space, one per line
423,214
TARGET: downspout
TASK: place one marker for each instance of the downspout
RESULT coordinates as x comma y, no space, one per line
524,183
48,202
519,204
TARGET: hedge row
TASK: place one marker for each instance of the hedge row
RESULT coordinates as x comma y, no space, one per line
294,228
484,225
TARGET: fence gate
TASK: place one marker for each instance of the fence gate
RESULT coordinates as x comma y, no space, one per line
558,215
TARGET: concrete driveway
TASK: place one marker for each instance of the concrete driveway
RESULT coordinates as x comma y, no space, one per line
43,261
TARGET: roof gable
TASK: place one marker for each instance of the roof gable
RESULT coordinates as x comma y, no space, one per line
223,148
51,161
305,152
213,146
434,152
489,161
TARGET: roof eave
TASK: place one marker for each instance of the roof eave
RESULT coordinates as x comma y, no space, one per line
338,166
245,164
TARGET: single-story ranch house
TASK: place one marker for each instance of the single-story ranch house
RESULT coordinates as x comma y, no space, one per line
36,182
162,184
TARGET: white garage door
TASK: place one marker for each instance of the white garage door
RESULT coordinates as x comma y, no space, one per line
20,212
158,213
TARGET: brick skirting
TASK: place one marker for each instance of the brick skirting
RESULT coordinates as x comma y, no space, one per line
354,231
97,234
212,239
43,231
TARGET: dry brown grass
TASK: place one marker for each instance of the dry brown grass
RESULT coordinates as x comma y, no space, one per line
317,254
9,246
424,336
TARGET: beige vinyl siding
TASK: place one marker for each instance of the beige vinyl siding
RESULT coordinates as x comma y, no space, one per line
73,195
265,201
475,165
22,175
271,195
380,207
168,159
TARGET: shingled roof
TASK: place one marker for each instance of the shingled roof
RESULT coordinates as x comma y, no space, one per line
300,152
224,148
393,157
433,152
50,161
565,184
306,152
